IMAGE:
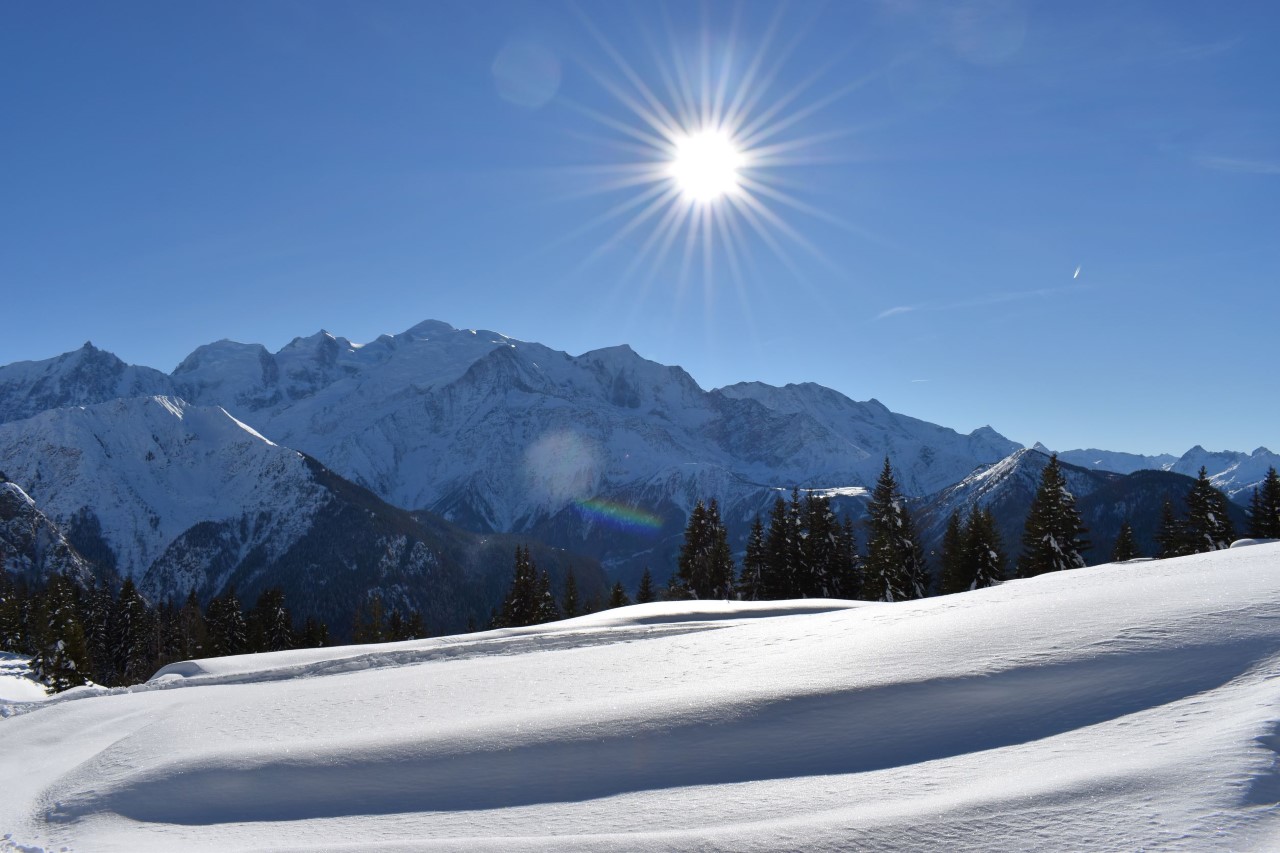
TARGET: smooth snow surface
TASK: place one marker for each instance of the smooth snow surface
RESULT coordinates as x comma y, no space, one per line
17,682
1111,708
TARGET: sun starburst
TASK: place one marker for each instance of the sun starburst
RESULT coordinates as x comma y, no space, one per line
702,143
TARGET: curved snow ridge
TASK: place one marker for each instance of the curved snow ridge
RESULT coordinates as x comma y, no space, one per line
824,733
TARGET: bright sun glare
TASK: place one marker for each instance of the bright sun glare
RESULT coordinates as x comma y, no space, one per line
705,165
703,142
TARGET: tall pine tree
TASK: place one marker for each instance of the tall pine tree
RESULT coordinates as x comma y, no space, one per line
645,593
1208,526
1171,537
751,580
571,603
1053,538
953,578
1264,509
225,624
61,657
706,564
984,559
895,569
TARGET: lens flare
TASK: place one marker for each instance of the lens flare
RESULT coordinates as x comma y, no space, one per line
619,516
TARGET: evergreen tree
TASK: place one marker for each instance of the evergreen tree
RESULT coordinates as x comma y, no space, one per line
571,604
984,559
1171,537
545,610
895,568
1054,535
953,578
848,572
270,625
225,624
192,631
61,657
706,564
415,628
1208,526
13,606
522,604
315,634
618,596
1264,509
368,623
777,581
675,590
1126,548
396,629
97,608
821,559
754,565
645,593
133,636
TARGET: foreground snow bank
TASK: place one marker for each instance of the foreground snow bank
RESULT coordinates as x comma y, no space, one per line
1117,707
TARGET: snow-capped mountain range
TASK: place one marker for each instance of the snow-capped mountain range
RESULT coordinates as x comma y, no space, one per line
602,453
1105,500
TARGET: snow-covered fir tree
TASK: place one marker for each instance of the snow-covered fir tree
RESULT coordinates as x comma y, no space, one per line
984,558
894,569
134,635
270,625
972,553
225,624
706,563
61,658
1053,538
1208,527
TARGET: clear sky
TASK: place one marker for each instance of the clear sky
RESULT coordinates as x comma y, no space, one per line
1061,219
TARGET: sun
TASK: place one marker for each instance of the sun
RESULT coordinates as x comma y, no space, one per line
705,165
698,141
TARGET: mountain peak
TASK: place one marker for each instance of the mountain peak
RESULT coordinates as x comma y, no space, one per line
428,329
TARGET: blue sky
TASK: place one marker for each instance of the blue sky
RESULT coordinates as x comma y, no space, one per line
174,174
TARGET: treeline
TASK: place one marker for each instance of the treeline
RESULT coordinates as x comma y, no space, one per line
530,601
805,551
76,634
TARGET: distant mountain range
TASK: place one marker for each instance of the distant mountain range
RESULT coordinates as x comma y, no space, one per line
394,465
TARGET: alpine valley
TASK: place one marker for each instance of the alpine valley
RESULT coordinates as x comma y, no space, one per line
413,465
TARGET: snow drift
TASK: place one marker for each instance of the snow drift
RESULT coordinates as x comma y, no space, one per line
1116,707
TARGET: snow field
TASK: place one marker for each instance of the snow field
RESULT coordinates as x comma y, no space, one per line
1115,707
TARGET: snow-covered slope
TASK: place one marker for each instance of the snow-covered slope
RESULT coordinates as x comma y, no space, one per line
1233,472
79,378
1118,462
499,434
145,470
1104,499
1113,708
183,497
32,546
